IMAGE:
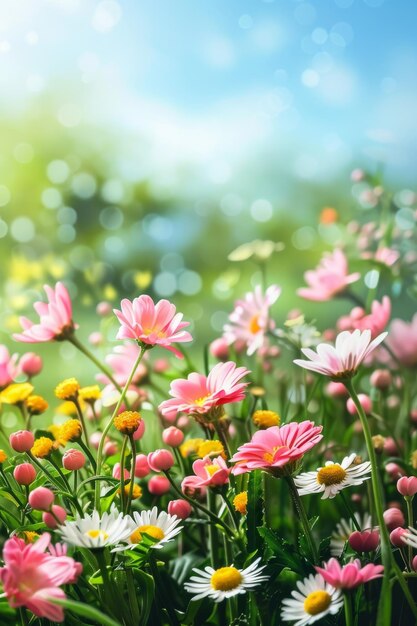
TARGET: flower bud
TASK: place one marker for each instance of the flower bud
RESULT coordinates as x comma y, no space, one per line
390,447
357,175
73,459
364,541
110,448
413,416
95,440
414,563
173,436
183,422
41,498
395,537
160,366
161,460
394,470
50,520
180,508
219,348
117,472
104,308
394,518
22,440
142,468
158,485
31,364
95,338
407,486
140,431
24,474
365,402
381,379
378,442
336,390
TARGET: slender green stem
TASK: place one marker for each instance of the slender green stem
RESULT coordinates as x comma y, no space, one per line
132,473
88,453
110,422
403,584
348,609
303,518
350,511
82,420
214,551
122,473
82,348
410,521
44,470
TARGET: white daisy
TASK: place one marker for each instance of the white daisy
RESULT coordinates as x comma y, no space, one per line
93,531
162,527
225,582
343,531
333,477
313,600
410,537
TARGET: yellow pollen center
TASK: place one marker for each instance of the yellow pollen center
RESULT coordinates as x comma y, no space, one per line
317,602
152,531
254,325
331,475
201,401
269,456
152,331
212,469
226,578
93,534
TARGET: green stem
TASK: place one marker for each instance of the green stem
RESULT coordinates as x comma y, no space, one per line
214,552
350,511
82,348
110,422
303,518
348,609
82,420
44,470
88,454
122,473
132,473
410,521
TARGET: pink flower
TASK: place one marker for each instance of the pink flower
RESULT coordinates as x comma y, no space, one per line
55,318
351,575
200,394
407,486
8,367
121,361
376,320
151,324
342,360
364,541
32,577
329,278
403,341
271,449
208,473
386,256
250,319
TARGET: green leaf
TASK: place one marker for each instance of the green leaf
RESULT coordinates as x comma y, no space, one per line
284,553
255,505
85,610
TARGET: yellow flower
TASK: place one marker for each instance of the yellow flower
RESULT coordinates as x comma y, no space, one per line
127,422
3,457
42,447
190,447
67,389
266,419
137,491
90,394
69,408
211,448
70,431
413,459
16,393
257,391
378,442
36,405
240,502
30,536
55,430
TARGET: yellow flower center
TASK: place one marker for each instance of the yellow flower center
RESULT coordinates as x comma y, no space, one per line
266,419
201,401
67,389
254,325
317,602
30,536
269,456
152,331
211,469
127,422
136,491
190,447
42,447
240,502
94,533
331,475
211,448
153,531
226,578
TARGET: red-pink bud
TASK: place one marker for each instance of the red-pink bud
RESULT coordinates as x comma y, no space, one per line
31,364
73,459
381,379
140,431
161,460
142,468
390,447
161,365
414,563
364,541
219,348
158,485
95,338
183,422
394,518
180,508
407,486
117,472
110,448
413,415
335,390
59,513
365,402
41,498
95,439
173,436
394,470
24,474
395,537
104,308
22,440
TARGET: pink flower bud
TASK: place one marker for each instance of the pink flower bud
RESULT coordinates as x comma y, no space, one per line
95,440
413,415
31,364
183,422
41,498
395,537
390,447
22,440
364,541
73,459
357,175
158,485
365,401
329,334
160,460
219,348
160,366
394,470
180,508
394,518
173,436
50,520
140,431
381,379
142,468
407,486
104,308
117,473
95,338
394,504
110,448
414,563
336,390
24,474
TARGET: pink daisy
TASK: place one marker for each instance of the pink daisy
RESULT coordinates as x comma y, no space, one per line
208,473
349,576
329,278
376,321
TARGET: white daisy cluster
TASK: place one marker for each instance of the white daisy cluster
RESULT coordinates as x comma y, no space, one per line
313,599
333,477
